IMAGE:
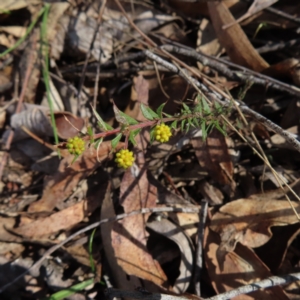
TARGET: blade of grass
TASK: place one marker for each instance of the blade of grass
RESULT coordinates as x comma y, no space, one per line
70,291
22,39
46,76
91,250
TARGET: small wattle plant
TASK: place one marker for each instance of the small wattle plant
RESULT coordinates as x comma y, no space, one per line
200,115
124,158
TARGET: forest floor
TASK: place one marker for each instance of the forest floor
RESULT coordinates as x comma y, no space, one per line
149,149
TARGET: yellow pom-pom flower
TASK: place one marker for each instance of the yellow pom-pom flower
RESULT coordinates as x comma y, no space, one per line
124,158
75,145
162,133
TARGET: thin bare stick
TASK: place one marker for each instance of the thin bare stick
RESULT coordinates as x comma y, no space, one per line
199,260
266,283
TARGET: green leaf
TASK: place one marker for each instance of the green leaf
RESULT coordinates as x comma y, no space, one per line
160,110
218,107
123,118
116,140
206,107
167,115
185,107
152,135
217,125
174,124
198,108
133,134
148,113
210,127
196,122
187,127
108,126
204,131
101,123
190,122
183,124
90,133
72,290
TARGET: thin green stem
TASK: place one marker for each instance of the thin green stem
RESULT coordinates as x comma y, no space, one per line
144,125
22,39
45,52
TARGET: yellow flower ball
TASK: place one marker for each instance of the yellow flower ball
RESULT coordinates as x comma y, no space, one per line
162,133
124,158
76,145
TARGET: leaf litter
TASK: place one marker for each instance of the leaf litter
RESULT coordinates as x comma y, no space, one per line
97,60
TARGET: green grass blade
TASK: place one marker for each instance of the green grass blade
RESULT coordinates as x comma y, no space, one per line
45,52
22,39
70,291
91,240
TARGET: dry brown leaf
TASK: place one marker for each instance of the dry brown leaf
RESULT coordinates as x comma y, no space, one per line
129,236
17,31
60,186
121,280
6,5
187,222
214,157
6,225
235,269
31,56
248,221
233,39
63,219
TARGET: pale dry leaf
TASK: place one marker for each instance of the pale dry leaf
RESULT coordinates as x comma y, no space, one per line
233,39
62,220
6,5
248,221
121,279
230,270
30,58
16,31
129,236
213,156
